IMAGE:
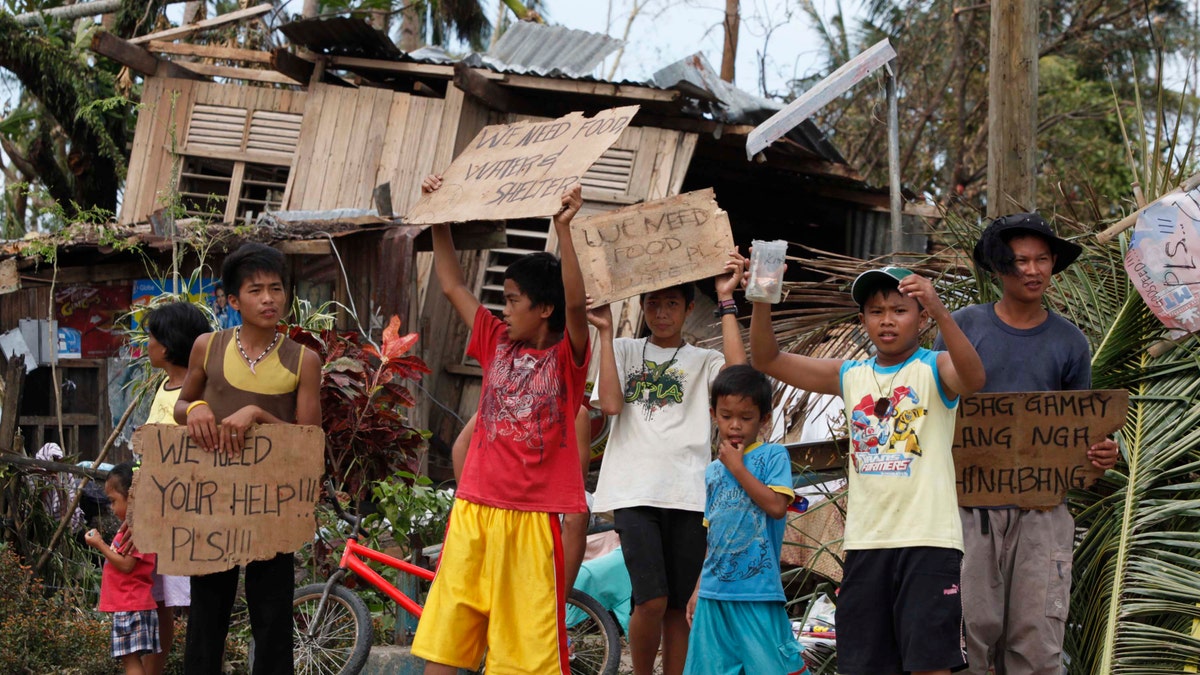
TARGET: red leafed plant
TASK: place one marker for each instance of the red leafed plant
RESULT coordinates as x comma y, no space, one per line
363,402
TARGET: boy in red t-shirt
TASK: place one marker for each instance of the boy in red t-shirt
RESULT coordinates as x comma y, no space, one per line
125,584
500,584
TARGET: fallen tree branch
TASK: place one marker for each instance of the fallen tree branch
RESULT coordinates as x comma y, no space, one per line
31,463
66,517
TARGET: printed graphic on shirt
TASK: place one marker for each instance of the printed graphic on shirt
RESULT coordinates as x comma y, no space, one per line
525,390
883,437
745,551
655,386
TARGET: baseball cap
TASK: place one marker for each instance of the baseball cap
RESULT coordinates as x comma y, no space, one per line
872,280
992,249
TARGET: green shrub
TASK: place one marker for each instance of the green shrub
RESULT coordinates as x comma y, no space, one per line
42,634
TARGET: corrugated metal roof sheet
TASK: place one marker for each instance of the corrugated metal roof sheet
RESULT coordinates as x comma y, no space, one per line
341,36
565,53
724,102
537,48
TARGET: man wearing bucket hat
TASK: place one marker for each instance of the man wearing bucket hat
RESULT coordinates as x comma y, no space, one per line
1016,576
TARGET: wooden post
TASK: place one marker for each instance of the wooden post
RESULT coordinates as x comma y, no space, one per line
893,120
731,25
1012,108
14,384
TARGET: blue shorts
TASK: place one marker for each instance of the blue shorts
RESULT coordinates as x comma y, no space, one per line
734,637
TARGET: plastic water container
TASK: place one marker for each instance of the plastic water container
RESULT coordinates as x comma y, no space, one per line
767,261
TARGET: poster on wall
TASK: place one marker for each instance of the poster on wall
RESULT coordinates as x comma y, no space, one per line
1161,260
206,290
87,320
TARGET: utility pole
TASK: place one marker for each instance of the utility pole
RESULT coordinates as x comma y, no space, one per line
1012,107
731,24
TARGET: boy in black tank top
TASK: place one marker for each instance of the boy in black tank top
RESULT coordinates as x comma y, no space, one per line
234,381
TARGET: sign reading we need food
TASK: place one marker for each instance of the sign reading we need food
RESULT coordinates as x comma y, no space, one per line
644,247
205,512
1028,449
520,170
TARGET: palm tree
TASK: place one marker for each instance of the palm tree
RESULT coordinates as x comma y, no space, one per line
435,21
75,148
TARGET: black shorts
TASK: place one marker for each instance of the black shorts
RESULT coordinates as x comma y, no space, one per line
664,551
900,610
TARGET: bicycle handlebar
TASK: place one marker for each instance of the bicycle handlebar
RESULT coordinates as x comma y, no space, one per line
331,496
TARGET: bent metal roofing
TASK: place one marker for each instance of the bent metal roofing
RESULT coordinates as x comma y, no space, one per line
558,52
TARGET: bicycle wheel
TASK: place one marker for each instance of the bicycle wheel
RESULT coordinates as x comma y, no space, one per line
595,640
338,640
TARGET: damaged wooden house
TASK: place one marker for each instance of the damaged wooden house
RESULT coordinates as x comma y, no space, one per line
330,137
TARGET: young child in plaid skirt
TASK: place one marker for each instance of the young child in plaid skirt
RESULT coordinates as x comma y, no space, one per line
125,586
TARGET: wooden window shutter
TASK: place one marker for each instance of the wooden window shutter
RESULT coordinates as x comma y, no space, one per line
216,128
611,172
274,131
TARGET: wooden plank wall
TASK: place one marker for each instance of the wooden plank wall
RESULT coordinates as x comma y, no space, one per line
26,303
162,127
354,139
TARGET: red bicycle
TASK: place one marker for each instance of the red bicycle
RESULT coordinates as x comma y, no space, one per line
333,631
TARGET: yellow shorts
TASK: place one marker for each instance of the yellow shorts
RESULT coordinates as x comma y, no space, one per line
500,588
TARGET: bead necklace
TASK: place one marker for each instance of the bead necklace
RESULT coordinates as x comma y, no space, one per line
237,336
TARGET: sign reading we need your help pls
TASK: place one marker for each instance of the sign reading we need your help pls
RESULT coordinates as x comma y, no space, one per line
205,512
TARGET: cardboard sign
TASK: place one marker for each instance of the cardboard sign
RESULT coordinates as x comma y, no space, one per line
1029,449
1161,260
205,512
520,170
654,245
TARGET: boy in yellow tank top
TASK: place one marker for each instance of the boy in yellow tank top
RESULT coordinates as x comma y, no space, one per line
899,607
237,378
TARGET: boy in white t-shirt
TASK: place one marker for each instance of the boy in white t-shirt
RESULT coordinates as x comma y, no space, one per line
652,475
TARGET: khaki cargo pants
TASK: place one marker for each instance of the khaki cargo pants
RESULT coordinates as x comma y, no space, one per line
1016,582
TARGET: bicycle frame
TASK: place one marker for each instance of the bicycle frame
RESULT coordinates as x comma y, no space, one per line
351,561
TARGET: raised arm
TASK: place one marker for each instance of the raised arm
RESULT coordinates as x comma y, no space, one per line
731,332
574,297
608,380
818,375
960,367
445,264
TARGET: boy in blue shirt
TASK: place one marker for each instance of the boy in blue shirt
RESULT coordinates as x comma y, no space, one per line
737,615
